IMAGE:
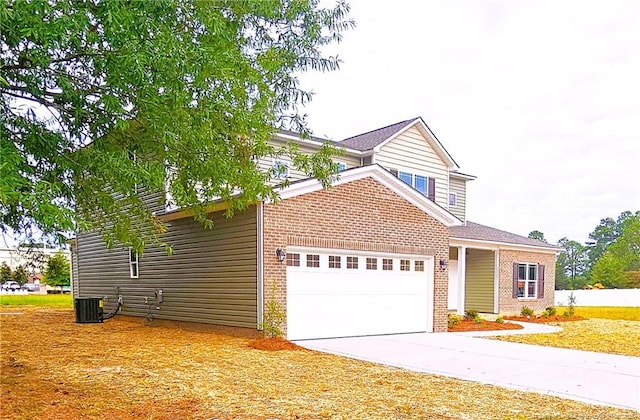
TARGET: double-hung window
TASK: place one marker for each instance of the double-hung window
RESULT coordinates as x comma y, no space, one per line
133,263
526,280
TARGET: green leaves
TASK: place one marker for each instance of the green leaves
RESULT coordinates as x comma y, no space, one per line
195,86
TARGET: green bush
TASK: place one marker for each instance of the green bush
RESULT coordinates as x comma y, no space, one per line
500,320
470,314
526,312
273,316
551,310
478,320
453,320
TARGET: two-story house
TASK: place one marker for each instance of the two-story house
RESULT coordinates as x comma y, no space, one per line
386,249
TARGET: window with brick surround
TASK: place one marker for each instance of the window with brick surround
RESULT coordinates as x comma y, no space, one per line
527,280
293,260
372,263
352,263
419,265
387,264
313,260
334,261
405,265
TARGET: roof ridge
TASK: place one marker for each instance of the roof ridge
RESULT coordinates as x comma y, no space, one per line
379,129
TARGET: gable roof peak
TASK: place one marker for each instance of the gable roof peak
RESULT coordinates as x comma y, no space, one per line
371,139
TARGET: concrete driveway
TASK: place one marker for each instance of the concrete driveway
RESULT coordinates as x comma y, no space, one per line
595,378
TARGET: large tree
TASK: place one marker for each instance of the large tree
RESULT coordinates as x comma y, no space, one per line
5,272
607,231
98,98
571,265
536,234
58,270
619,264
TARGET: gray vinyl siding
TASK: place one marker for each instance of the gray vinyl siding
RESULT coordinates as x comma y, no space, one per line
479,284
411,152
459,187
211,277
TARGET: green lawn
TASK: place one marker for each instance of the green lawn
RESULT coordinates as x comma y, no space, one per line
625,313
45,301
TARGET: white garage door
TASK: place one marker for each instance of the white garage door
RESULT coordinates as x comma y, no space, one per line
340,293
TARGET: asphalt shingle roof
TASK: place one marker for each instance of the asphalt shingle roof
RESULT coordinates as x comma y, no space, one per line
485,233
369,140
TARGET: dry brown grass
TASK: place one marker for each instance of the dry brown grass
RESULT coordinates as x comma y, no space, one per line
599,335
128,369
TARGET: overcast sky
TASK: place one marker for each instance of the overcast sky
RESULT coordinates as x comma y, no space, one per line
539,100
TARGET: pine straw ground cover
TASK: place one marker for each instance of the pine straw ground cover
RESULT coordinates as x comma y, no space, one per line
127,368
599,335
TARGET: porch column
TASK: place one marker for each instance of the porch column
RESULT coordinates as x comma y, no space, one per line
462,277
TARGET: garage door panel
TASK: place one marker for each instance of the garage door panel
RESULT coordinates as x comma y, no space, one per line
327,302
352,315
318,283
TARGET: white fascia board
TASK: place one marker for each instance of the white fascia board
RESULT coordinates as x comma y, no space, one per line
385,178
440,150
494,245
315,143
459,175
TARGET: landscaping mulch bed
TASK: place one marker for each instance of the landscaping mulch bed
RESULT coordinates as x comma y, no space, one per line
545,319
273,344
471,325
129,368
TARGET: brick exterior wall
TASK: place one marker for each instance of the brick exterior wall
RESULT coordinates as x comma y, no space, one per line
360,215
507,304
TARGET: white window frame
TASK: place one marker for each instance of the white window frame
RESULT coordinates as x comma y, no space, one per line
426,184
292,258
526,281
455,199
413,182
405,174
134,264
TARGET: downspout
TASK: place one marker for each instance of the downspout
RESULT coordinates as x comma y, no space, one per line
260,262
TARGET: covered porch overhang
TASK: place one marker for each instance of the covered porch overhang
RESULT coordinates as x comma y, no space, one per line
474,273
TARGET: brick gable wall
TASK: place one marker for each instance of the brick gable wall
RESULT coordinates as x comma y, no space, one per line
507,304
360,215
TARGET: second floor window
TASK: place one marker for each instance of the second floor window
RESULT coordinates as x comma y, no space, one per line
453,200
280,169
422,183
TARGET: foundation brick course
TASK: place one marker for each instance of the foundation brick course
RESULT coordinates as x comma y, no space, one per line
359,215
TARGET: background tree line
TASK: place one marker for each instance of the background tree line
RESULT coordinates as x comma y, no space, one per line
611,258
57,272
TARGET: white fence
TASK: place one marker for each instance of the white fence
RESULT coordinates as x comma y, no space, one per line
599,297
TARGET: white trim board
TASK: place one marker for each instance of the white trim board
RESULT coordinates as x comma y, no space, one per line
385,178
